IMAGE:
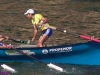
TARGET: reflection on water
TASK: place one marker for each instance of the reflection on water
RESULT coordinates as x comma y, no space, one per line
40,69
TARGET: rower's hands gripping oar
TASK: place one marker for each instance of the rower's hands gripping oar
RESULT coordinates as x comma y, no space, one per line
18,40
49,65
21,41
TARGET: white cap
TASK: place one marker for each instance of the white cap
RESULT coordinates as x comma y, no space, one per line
29,11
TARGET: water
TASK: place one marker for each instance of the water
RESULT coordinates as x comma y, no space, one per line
40,69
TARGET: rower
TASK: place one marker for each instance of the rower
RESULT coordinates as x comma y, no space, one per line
2,45
39,21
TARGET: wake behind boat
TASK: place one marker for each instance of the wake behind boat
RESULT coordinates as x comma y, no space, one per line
87,53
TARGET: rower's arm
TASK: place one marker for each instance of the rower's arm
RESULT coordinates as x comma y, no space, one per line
35,31
1,39
42,21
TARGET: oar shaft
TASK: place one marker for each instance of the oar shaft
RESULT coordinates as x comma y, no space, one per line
64,31
16,40
21,41
28,55
76,34
61,30
49,65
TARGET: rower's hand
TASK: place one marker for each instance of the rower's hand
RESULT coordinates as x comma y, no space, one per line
7,38
40,23
8,46
33,39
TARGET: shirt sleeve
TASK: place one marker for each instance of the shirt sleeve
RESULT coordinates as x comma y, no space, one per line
37,18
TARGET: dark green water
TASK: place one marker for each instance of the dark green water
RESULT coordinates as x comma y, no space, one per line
40,69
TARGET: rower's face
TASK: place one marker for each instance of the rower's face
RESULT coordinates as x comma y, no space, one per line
29,16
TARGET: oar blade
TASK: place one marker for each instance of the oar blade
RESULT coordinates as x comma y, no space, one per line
8,68
55,67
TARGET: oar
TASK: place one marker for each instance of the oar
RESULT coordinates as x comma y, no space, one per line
49,65
6,67
76,34
20,41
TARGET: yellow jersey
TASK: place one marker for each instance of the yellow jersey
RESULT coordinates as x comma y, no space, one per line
36,19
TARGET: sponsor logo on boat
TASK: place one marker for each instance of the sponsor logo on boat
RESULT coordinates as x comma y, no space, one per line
59,50
45,51
12,52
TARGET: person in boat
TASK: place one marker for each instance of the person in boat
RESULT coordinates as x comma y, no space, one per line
2,45
39,21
